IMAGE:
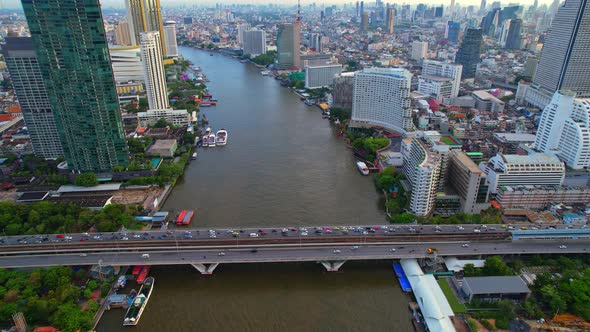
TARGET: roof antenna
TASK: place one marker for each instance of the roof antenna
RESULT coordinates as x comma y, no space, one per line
298,11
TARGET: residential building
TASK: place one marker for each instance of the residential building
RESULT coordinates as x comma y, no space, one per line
145,16
342,89
85,105
170,39
485,101
440,79
422,168
175,117
390,20
288,40
517,170
254,42
321,76
122,34
469,181
435,86
469,52
381,97
452,31
508,143
419,50
565,62
153,70
540,197
126,63
241,28
27,81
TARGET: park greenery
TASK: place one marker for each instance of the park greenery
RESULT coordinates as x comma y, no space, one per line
489,216
387,181
493,266
342,114
265,59
86,180
50,296
367,147
52,217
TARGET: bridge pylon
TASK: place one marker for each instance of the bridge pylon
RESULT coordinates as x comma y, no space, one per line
205,269
332,266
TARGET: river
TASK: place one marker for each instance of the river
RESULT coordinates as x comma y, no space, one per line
283,165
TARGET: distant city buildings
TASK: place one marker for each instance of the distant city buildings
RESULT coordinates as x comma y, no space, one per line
288,41
440,79
390,20
419,50
77,67
381,97
254,42
470,52
452,31
320,76
153,69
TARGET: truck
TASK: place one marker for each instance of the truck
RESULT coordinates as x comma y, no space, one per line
430,250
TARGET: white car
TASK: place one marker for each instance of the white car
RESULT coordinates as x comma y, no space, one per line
96,237
392,249
253,234
562,247
465,245
354,247
221,254
304,234
476,231
125,238
461,228
137,236
336,251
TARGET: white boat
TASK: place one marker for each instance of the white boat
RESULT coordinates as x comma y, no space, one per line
208,131
205,140
139,303
221,138
211,140
265,73
194,156
362,167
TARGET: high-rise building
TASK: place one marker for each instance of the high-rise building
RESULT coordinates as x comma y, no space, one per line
122,34
25,75
482,6
187,20
242,27
514,39
145,16
288,41
530,67
364,22
469,182
357,9
419,50
469,52
315,42
170,39
126,63
254,42
362,10
438,11
440,79
422,168
390,20
320,76
381,97
565,62
452,31
71,47
342,89
153,70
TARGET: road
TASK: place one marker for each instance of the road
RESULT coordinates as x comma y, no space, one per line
293,254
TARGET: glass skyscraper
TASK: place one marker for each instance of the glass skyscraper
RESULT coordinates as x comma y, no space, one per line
73,56
469,52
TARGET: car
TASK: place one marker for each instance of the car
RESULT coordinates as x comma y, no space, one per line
293,229
60,236
253,235
465,245
137,236
392,250
212,236
524,228
284,230
336,251
354,247
562,247
365,233
85,234
430,250
221,254
96,237
336,228
145,256
235,234
345,231
504,226
83,255
263,233
82,239
254,251
124,238
461,228
476,231
304,233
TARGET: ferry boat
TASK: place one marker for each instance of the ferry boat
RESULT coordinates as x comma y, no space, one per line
194,156
139,303
205,140
362,167
265,73
185,217
221,137
211,140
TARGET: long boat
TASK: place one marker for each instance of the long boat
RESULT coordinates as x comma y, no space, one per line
139,303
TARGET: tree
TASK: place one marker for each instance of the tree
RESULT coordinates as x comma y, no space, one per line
86,180
143,105
494,266
469,270
404,218
70,318
162,123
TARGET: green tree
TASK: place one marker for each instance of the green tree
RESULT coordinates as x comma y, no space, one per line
86,180
70,318
162,123
494,266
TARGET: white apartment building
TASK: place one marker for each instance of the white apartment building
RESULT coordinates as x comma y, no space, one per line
435,86
170,38
552,120
321,76
422,168
517,170
126,63
153,70
381,97
254,42
419,50
175,117
438,69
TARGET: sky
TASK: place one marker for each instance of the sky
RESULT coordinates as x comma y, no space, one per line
174,3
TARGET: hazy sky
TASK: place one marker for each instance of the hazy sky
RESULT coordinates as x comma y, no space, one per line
121,3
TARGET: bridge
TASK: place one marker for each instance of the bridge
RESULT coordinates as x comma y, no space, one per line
330,246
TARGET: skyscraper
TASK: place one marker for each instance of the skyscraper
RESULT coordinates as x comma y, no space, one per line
364,21
122,34
254,42
170,38
381,97
513,39
565,61
315,42
288,41
29,87
73,56
469,52
390,20
452,31
144,16
153,70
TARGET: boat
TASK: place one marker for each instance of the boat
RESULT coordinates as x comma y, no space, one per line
139,303
194,156
208,131
205,140
211,140
205,104
362,167
211,54
121,282
308,102
221,138
265,73
185,217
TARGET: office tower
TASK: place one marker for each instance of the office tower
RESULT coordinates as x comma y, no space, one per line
364,21
452,8
452,31
482,6
126,64
469,52
145,16
440,79
288,41
153,70
27,81
73,56
438,11
122,34
503,35
513,39
531,67
390,20
419,50
188,20
422,168
565,62
254,42
321,76
539,169
381,97
469,182
240,36
170,38
315,42
357,9
362,8
489,23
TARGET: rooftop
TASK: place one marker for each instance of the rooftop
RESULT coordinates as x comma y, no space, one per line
100,187
484,95
467,162
496,285
535,158
514,138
